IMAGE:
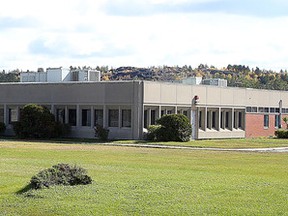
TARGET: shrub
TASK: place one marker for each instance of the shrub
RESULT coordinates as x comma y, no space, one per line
101,132
2,127
174,127
37,122
152,132
281,133
60,174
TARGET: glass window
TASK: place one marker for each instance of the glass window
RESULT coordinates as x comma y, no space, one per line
253,109
248,109
240,120
98,117
113,117
1,115
213,119
86,117
13,117
60,115
227,120
277,121
266,121
72,117
185,112
153,117
261,109
126,118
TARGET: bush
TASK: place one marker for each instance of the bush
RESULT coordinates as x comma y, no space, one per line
101,132
152,132
38,122
2,127
174,127
281,133
60,174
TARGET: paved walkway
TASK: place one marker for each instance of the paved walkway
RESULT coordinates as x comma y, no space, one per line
276,149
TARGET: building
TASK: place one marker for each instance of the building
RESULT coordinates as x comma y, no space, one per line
61,75
126,107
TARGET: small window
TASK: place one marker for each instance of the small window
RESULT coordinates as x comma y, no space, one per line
266,121
213,119
60,115
272,110
227,120
98,120
13,115
277,121
126,118
153,117
261,109
113,118
240,120
185,112
248,109
86,117
72,117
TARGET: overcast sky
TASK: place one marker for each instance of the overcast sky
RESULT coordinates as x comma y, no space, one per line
42,33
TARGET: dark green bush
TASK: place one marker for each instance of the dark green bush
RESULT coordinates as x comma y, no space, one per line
60,174
2,127
38,122
281,133
101,132
153,132
174,127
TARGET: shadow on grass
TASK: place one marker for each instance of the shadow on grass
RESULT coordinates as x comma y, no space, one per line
24,189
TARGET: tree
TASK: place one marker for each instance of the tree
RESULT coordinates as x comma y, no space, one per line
37,122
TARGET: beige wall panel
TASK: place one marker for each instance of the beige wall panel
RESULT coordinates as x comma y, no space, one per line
152,92
213,96
226,96
184,94
168,93
239,97
201,92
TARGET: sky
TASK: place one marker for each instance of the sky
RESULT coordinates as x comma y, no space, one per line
143,33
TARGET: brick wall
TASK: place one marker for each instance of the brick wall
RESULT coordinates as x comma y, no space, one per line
255,125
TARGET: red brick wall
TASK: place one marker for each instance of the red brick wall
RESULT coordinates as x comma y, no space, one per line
255,125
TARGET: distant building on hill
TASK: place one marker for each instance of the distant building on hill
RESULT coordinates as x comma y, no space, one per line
61,75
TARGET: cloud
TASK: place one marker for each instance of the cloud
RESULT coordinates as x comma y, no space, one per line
11,22
257,8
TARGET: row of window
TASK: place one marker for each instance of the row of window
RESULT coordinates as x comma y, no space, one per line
86,117
266,110
277,121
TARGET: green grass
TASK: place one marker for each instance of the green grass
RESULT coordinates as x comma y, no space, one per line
143,181
220,143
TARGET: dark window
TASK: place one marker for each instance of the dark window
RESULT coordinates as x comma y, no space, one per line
248,109
200,119
145,119
277,121
113,118
72,117
98,120
266,121
240,120
13,115
222,120
185,112
214,119
153,117
86,117
60,115
227,120
126,118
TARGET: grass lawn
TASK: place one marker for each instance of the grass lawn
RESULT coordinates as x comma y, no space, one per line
143,181
221,143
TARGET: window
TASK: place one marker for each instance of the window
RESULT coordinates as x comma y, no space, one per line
145,119
200,119
1,115
13,117
60,115
266,121
113,118
153,117
86,117
126,118
98,117
272,110
185,112
72,117
240,120
277,121
227,120
213,119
